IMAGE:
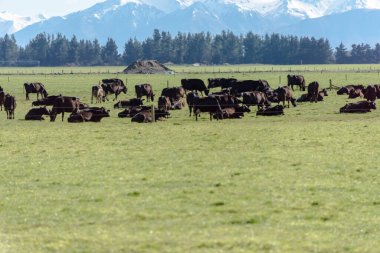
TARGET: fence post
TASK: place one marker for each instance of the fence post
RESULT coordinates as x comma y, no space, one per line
331,85
153,114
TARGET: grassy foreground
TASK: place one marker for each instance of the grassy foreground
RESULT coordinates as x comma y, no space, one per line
304,182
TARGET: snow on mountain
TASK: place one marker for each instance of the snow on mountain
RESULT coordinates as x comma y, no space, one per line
11,23
124,19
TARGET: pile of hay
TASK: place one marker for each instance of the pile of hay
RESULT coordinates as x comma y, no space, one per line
147,67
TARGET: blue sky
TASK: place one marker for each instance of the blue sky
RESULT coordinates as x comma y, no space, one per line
46,7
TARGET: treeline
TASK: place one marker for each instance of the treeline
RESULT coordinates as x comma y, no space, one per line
184,48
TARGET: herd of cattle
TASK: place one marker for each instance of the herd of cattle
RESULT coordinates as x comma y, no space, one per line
232,101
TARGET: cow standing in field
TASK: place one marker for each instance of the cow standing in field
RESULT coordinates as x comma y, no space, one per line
207,104
98,92
10,106
313,91
190,98
64,104
2,99
113,86
49,100
370,93
249,85
144,90
175,94
297,80
38,88
255,98
285,94
37,113
195,85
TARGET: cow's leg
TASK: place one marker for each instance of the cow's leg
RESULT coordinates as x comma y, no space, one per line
26,95
190,108
63,113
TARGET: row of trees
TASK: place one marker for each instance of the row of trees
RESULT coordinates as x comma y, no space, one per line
226,47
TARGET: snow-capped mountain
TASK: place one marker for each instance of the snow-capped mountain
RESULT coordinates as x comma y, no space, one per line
11,23
124,19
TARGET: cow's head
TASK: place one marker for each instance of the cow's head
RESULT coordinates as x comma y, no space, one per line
372,105
53,116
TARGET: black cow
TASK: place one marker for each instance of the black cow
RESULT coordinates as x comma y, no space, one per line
207,104
297,80
347,89
144,90
38,88
37,113
133,102
358,107
114,86
190,97
10,106
271,111
221,82
194,85
49,100
2,99
370,93
64,104
93,114
255,98
236,112
313,91
249,85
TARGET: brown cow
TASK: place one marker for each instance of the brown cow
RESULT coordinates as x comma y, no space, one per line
297,80
255,98
164,103
285,94
144,90
174,93
354,93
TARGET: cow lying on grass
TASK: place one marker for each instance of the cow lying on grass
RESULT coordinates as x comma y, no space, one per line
93,114
37,113
271,111
358,107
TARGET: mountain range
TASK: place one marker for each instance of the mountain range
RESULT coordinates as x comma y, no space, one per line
347,21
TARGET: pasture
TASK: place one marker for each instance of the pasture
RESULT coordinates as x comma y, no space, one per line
307,181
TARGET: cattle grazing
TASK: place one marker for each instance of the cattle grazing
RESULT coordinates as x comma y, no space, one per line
10,106
38,88
92,114
370,93
271,111
285,94
164,103
190,97
133,102
313,91
144,90
195,85
113,86
37,113
99,93
255,98
2,99
147,117
355,93
297,80
221,82
64,104
358,107
207,104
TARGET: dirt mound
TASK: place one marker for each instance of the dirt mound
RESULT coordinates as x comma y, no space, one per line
147,67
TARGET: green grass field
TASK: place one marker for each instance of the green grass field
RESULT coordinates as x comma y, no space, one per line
304,182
